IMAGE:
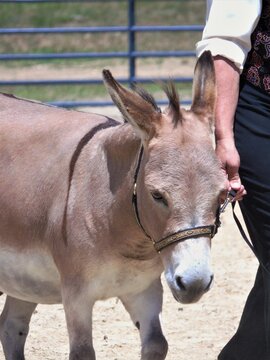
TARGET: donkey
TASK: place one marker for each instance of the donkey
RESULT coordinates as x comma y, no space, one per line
91,208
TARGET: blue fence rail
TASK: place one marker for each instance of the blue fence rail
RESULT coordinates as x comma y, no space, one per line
131,54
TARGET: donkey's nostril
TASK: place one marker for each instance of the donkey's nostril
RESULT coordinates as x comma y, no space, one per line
194,284
210,283
180,283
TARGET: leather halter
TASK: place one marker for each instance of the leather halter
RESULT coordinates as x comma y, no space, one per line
179,236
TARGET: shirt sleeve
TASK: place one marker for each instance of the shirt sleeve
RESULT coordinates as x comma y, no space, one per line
229,25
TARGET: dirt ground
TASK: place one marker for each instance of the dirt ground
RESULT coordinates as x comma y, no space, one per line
194,332
177,67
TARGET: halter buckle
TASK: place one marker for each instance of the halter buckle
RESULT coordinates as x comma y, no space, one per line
229,198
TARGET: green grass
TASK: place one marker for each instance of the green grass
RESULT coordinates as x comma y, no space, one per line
99,14
48,93
96,13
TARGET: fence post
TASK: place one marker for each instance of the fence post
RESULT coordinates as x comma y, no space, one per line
131,38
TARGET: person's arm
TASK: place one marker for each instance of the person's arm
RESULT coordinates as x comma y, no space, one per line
229,25
227,80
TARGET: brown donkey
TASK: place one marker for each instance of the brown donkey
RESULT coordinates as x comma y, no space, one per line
69,230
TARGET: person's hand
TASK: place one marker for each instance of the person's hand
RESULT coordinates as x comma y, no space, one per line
230,162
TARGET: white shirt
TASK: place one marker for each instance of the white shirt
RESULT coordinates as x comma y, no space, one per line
229,25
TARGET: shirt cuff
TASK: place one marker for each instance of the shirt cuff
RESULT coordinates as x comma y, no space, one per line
223,47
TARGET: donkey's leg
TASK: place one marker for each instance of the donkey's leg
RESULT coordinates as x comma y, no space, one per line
14,327
78,310
145,309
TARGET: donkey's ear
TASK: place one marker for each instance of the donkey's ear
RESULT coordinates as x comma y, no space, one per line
137,107
204,86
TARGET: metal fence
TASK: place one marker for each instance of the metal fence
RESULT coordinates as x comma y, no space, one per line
131,54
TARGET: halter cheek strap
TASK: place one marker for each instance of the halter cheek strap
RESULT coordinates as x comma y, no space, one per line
179,236
134,195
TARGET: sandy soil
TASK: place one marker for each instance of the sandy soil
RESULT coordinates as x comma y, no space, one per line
177,67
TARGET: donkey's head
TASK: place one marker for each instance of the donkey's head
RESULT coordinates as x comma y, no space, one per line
179,180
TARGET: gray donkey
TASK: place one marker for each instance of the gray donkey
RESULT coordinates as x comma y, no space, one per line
91,208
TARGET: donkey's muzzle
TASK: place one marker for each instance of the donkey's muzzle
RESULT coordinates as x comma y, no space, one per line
191,289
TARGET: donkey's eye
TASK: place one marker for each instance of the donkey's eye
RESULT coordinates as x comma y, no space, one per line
157,196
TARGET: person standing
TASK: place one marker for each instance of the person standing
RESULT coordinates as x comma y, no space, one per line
237,32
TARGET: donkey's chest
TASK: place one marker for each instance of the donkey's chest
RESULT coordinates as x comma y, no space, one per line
132,277
29,275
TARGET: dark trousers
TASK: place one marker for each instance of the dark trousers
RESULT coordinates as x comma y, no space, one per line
252,136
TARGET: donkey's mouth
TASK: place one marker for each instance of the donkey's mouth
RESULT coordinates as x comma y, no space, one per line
187,298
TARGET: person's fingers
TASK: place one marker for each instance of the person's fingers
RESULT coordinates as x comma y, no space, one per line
235,184
234,180
240,190
240,193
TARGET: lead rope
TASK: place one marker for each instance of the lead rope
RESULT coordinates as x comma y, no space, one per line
266,279
247,240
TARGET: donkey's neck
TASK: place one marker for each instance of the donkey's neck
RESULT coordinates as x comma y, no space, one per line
122,147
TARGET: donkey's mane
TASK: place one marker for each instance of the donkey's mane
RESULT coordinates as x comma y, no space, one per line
172,95
174,101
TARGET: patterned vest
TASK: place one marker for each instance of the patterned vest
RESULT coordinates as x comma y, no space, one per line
257,66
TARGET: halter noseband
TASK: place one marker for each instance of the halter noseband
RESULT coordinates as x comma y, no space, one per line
182,235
